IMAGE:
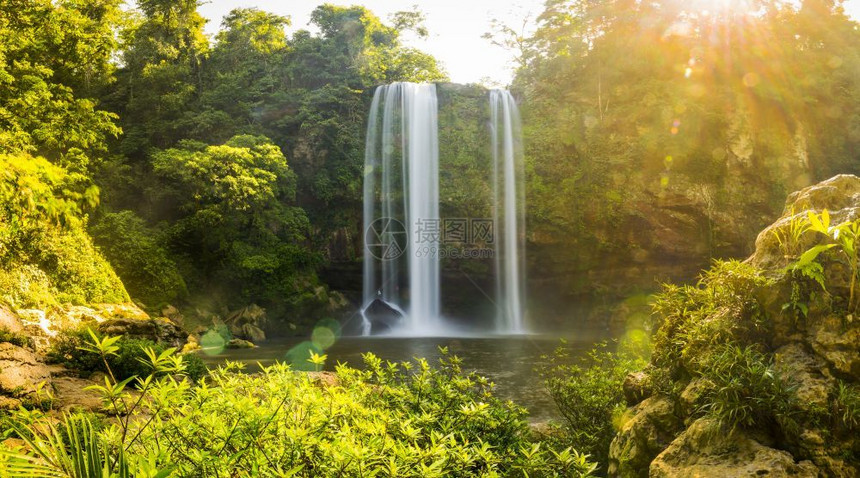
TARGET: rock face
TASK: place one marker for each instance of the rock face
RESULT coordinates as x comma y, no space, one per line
812,342
21,371
382,316
9,320
701,450
650,430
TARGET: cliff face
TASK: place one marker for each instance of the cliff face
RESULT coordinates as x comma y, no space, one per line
756,370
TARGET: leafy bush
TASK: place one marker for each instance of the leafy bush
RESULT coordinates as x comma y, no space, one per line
20,340
405,419
743,390
589,396
721,308
846,406
135,252
69,349
46,255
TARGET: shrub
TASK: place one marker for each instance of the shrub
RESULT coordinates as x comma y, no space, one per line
721,308
589,396
46,255
846,406
743,390
20,340
69,350
140,260
388,420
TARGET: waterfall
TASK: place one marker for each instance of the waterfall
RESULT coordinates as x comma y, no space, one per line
401,208
401,204
508,210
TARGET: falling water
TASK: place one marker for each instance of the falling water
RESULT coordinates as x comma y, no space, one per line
401,197
401,205
508,210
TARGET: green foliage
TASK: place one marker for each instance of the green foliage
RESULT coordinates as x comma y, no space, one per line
122,355
46,257
640,102
846,406
53,56
742,389
232,207
139,258
589,396
405,419
845,237
73,450
789,237
21,340
723,307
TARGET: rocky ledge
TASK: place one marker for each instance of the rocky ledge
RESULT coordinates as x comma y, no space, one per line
800,319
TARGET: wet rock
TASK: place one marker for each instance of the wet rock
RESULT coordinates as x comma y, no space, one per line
239,344
248,323
649,431
636,387
704,450
382,316
21,371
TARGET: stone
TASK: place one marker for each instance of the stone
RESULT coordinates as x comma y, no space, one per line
840,195
794,363
689,400
9,320
71,394
838,343
382,316
173,314
324,379
651,428
239,344
161,330
704,450
252,333
248,323
9,403
21,371
636,387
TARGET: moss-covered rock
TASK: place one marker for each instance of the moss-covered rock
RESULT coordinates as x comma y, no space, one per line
760,360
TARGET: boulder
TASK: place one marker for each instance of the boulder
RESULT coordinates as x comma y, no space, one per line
248,323
239,344
805,371
382,316
651,428
21,371
71,394
840,195
158,330
636,387
704,450
838,343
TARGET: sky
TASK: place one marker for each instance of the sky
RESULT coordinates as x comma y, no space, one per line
456,28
